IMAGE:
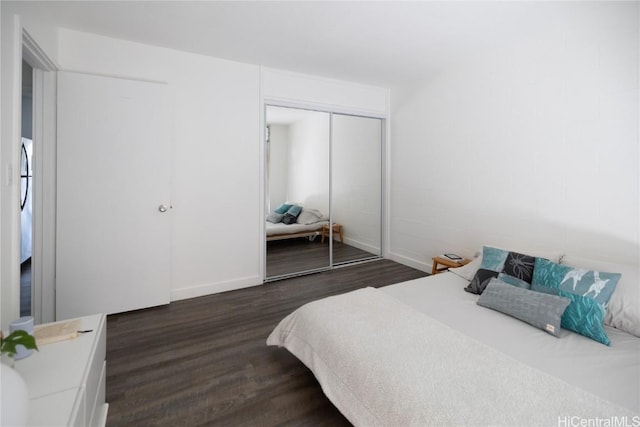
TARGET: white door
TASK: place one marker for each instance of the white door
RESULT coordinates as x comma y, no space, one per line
113,195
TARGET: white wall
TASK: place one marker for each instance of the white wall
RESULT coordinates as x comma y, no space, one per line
309,161
216,178
534,146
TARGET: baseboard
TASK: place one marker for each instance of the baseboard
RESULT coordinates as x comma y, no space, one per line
357,244
214,288
410,262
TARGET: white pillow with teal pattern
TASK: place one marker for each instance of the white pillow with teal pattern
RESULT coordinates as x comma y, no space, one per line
589,291
623,309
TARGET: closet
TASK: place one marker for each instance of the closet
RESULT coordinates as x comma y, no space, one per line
323,192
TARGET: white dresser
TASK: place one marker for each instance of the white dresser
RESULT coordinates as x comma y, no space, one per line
66,380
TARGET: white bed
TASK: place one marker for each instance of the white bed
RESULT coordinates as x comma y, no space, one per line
280,231
424,353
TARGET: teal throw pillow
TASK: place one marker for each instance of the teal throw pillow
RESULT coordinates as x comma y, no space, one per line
547,276
513,268
589,291
585,317
493,258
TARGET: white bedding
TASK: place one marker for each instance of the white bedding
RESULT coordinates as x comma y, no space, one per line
281,228
610,372
458,364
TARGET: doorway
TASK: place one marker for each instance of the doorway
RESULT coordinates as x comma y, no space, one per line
38,184
26,191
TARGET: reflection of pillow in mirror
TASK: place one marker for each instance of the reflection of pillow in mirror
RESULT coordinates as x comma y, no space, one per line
294,211
309,216
274,217
288,219
283,208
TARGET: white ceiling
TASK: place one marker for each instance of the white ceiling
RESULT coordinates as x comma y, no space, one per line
374,42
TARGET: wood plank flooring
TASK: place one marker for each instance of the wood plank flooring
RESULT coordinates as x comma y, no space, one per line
204,361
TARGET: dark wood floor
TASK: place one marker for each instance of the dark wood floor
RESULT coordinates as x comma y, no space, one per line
204,361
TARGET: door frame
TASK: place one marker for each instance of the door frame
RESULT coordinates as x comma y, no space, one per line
44,180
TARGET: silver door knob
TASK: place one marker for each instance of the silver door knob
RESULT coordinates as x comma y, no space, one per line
163,208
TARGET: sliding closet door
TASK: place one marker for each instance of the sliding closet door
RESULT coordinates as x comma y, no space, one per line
356,188
297,173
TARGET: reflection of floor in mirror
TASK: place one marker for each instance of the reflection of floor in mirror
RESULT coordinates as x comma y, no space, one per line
294,255
25,288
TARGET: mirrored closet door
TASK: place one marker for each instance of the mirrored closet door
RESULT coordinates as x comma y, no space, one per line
297,190
356,188
323,195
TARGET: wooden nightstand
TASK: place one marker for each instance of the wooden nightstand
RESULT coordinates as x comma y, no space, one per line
337,229
447,263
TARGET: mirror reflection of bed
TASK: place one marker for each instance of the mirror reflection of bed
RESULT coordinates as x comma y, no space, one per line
321,169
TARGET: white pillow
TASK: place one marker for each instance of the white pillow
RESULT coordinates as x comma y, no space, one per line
469,270
623,310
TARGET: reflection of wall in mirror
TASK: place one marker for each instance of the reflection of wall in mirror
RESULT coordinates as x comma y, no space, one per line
356,169
278,165
309,162
299,163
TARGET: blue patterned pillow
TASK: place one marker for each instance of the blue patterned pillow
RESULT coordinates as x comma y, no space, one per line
585,317
547,276
589,291
511,267
493,258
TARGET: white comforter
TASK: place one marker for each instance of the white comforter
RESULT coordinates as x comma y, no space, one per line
384,363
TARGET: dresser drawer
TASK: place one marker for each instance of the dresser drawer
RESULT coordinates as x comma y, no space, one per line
66,379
